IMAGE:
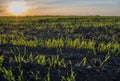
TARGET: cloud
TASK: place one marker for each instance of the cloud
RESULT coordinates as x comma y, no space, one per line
110,7
1,8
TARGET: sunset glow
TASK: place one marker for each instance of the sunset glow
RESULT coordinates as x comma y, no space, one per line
17,8
60,7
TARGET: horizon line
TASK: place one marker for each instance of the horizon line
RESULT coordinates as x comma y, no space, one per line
51,15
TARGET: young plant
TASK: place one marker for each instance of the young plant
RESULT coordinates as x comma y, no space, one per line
8,74
47,78
71,76
36,76
20,76
106,59
82,63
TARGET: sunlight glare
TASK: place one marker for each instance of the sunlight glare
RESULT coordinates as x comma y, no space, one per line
17,8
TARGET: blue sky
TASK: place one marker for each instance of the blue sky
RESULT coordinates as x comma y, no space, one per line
67,7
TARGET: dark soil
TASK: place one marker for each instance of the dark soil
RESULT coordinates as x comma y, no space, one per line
110,71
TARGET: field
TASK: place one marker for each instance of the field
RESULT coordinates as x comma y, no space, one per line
60,48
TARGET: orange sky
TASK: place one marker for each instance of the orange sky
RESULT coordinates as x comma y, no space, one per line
66,7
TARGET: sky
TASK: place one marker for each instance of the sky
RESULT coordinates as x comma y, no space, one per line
66,7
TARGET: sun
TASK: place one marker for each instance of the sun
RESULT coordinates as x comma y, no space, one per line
17,8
